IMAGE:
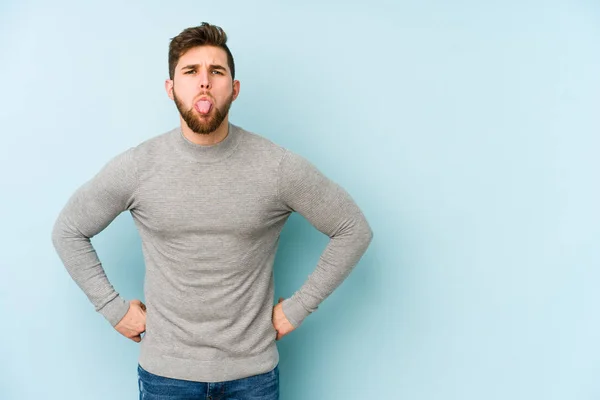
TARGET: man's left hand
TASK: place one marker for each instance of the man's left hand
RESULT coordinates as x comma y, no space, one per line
280,322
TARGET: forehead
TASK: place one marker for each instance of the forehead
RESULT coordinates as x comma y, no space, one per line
206,55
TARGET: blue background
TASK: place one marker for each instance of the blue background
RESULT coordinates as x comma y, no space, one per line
467,131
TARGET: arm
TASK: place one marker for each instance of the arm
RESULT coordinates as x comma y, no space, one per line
331,210
89,210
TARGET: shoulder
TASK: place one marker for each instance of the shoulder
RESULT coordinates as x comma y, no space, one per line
285,159
263,146
147,152
153,146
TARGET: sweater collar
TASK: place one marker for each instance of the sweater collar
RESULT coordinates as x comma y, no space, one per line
206,154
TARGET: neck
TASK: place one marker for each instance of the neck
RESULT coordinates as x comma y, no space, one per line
207,139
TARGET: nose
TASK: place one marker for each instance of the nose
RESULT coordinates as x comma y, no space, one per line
204,79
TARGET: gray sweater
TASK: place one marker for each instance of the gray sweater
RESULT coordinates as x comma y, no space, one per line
209,218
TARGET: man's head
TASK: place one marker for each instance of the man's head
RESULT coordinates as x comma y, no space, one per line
201,77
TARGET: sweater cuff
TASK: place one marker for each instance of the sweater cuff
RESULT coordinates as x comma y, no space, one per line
115,310
294,311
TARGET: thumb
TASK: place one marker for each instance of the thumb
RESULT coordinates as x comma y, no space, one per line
280,300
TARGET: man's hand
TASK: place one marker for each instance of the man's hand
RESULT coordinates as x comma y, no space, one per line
280,322
133,324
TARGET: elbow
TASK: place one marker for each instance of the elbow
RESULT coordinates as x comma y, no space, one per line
368,235
59,233
56,234
365,233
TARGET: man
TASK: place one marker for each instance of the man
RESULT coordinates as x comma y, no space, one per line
209,200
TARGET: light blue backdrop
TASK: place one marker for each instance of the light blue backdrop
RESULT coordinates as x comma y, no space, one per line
467,132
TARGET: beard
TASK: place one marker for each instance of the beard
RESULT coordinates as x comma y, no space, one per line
207,123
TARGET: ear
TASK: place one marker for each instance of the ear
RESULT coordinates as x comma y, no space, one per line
169,88
236,89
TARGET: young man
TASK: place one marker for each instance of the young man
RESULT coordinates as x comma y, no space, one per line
209,200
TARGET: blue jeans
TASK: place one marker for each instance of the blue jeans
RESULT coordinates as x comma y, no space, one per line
258,387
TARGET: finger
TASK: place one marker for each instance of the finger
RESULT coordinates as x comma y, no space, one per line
280,299
137,338
143,306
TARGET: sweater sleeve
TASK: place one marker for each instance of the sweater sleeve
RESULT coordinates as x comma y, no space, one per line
331,210
88,211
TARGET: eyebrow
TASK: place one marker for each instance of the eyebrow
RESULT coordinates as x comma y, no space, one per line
212,66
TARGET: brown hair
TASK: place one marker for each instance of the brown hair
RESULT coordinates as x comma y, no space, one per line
203,35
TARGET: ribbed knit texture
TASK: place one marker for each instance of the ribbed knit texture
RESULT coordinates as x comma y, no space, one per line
209,218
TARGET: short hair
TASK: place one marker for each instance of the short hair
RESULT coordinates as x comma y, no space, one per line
203,35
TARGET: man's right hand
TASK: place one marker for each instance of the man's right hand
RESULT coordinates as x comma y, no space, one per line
133,324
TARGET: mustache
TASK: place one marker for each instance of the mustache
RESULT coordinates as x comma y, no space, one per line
204,94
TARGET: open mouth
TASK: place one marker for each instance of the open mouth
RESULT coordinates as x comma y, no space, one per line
203,106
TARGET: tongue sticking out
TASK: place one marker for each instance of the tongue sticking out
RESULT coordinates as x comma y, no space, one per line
203,106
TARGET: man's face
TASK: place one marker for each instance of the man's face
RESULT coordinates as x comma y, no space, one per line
202,88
